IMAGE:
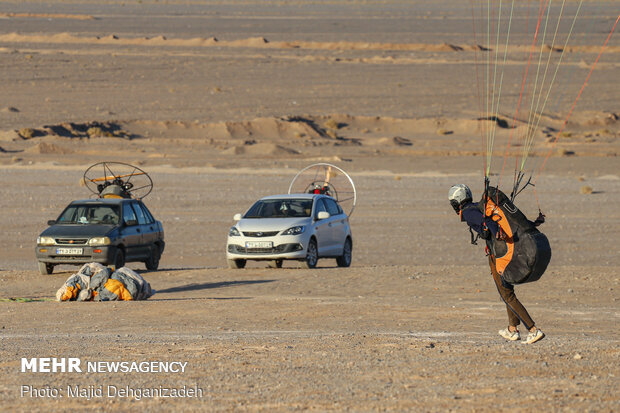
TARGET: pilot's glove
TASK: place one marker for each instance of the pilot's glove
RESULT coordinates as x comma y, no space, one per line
486,233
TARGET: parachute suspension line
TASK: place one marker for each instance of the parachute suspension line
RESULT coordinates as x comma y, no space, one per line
489,154
478,90
538,112
523,83
576,99
527,30
491,114
496,104
564,92
515,189
534,90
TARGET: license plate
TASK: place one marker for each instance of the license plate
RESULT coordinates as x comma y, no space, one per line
258,244
69,251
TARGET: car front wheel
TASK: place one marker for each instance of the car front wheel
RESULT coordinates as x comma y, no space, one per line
236,264
345,259
153,261
312,255
119,259
45,268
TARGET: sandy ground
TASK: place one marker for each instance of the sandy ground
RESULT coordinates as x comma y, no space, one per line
222,103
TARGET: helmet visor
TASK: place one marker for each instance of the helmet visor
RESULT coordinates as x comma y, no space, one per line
456,205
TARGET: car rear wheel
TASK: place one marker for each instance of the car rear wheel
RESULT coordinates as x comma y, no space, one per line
236,264
312,255
345,259
275,264
45,268
153,261
119,259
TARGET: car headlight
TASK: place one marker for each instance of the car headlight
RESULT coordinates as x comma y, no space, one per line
46,241
99,241
234,232
294,230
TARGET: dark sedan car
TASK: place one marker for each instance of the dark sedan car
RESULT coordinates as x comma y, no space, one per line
107,231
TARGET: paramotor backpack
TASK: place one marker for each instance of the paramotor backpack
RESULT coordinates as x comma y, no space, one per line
524,253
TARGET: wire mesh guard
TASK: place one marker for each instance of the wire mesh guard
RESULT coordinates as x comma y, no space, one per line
117,179
328,179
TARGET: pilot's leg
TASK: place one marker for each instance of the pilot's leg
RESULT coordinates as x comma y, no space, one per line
516,311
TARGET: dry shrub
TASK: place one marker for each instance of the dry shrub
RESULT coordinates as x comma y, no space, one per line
397,177
94,131
581,179
586,189
26,133
331,124
444,132
566,134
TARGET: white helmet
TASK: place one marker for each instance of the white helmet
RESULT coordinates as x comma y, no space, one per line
458,195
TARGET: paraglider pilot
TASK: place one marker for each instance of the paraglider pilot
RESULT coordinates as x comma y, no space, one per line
486,228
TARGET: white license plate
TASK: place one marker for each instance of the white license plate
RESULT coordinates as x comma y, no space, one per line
69,251
258,244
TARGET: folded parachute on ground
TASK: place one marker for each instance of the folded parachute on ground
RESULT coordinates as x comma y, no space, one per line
95,282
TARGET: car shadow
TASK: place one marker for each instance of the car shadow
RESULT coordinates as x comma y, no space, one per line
207,286
172,269
156,298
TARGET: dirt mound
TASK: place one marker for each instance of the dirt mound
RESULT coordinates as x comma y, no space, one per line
591,118
45,148
77,130
47,16
250,42
260,149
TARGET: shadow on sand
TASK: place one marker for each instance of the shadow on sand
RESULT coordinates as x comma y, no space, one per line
207,286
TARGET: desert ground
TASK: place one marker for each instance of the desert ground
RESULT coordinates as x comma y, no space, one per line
222,102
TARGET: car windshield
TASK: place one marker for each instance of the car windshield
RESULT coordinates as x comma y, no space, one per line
90,214
280,208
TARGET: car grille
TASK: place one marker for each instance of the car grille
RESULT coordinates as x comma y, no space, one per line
71,241
259,234
280,249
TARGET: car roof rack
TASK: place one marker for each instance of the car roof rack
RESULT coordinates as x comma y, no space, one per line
110,180
326,179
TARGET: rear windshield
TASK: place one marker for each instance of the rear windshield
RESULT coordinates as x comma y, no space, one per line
280,208
90,214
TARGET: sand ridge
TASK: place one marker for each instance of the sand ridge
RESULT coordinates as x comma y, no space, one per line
262,42
348,137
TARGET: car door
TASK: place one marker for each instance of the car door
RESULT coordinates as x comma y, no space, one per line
131,234
151,231
338,225
146,233
322,229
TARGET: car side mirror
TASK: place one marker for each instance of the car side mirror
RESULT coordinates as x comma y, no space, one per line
237,217
322,215
131,223
51,222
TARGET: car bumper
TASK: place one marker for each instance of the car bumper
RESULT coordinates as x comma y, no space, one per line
50,255
283,251
283,247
